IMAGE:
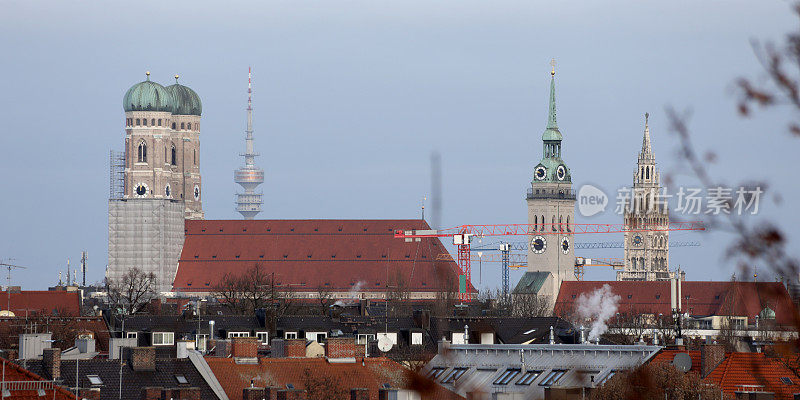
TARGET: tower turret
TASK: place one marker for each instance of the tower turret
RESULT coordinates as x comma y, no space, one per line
249,176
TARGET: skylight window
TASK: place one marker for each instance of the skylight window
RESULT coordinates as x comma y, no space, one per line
507,376
94,380
435,372
528,377
786,380
454,375
552,377
181,379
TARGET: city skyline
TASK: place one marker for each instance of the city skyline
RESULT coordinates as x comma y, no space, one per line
476,94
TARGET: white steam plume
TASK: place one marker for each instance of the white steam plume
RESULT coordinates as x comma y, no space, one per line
598,306
352,295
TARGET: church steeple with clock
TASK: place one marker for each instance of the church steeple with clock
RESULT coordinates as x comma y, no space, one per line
551,209
647,252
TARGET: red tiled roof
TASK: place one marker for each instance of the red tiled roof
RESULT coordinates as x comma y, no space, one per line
46,302
667,355
697,298
278,372
308,254
14,372
754,372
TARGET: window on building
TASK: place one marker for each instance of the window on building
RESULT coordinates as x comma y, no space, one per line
435,372
132,335
138,122
183,125
194,157
263,337
181,379
142,152
163,338
173,125
144,121
528,377
454,374
786,380
153,122
364,338
159,122
232,335
189,125
290,335
94,380
507,376
174,156
416,337
201,341
552,377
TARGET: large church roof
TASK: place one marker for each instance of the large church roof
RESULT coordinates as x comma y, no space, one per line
338,255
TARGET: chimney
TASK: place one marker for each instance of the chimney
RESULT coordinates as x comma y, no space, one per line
184,393
51,361
295,347
183,347
151,393
291,394
278,348
143,358
255,393
444,347
359,394
223,348
85,345
244,350
711,355
342,347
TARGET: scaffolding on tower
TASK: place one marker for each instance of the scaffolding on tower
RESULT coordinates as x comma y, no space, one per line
116,174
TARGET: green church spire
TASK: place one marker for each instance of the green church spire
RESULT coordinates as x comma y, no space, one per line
551,115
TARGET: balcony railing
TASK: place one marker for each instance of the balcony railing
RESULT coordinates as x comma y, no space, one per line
559,194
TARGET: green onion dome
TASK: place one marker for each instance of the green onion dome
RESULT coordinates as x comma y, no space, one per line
187,102
148,96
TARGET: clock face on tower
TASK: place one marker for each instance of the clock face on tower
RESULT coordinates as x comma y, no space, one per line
561,172
538,244
196,192
540,173
637,240
565,245
141,189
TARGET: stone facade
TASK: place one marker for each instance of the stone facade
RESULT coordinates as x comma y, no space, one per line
551,210
646,220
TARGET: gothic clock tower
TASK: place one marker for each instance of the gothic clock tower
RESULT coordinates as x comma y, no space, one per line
646,252
551,209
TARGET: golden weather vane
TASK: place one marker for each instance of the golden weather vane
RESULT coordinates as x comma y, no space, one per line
553,66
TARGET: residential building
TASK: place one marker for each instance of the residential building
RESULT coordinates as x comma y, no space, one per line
22,384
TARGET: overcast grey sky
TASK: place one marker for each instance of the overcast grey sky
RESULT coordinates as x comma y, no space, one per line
352,96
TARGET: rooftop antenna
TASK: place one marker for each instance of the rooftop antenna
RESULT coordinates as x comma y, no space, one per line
69,279
8,281
423,207
249,176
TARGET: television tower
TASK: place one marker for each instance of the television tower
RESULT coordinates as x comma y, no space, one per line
249,176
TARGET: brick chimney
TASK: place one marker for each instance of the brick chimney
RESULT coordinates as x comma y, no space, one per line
711,355
151,393
143,358
185,393
359,394
295,347
291,394
244,350
51,361
341,347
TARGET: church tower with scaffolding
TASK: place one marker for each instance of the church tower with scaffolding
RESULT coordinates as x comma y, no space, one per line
249,176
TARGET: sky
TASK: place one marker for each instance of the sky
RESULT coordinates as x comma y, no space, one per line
353,96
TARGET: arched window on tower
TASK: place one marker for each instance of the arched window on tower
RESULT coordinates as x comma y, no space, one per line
541,227
183,125
560,228
647,172
142,152
138,122
535,222
554,223
189,125
173,156
153,122
159,122
173,125
569,229
194,157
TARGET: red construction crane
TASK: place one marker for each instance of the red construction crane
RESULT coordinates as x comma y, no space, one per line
462,236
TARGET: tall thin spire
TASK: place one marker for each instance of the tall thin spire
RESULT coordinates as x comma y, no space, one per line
249,176
647,149
551,114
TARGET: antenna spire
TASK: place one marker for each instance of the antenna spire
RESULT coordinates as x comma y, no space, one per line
249,176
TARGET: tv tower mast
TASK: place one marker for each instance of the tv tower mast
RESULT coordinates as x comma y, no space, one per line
249,176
